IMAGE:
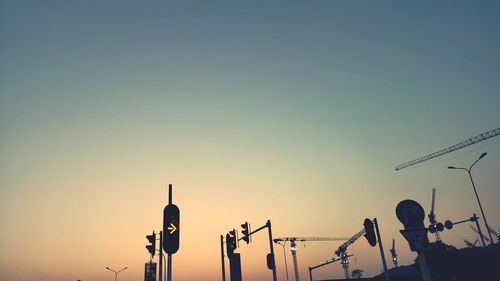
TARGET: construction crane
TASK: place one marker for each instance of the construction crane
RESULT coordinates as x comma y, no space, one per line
473,140
393,253
293,247
470,244
322,264
479,233
432,215
341,252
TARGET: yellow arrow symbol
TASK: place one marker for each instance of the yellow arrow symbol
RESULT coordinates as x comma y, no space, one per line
172,228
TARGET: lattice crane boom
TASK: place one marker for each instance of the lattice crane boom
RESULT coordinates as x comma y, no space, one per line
473,140
293,247
342,251
343,247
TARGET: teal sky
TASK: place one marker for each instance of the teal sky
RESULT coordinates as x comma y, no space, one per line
296,111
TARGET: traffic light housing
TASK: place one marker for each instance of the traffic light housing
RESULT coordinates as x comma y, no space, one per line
246,232
231,242
270,261
370,232
171,229
152,247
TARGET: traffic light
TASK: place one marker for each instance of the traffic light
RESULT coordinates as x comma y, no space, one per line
245,232
270,261
152,240
370,232
171,229
231,242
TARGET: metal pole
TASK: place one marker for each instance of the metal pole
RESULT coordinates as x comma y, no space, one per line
310,274
479,230
268,224
386,274
116,275
284,256
481,208
222,258
170,194
424,271
169,267
169,256
160,270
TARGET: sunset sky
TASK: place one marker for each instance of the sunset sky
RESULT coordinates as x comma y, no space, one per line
293,111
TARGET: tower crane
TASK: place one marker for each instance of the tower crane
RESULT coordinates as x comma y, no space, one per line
432,215
323,264
393,253
341,252
293,247
473,140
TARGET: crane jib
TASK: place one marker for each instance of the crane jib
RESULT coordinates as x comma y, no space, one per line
473,140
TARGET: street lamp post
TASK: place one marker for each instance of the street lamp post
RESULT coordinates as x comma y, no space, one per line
284,255
475,191
116,272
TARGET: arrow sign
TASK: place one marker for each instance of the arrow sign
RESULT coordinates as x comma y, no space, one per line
172,228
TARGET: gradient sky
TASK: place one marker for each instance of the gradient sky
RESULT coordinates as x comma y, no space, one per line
296,112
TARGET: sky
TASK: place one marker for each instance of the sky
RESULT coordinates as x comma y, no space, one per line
296,112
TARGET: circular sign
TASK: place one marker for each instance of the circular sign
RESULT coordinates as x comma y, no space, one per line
448,224
440,227
410,213
432,228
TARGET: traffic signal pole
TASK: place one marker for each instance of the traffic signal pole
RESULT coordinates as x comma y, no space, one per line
169,256
222,258
268,224
386,273
271,248
160,273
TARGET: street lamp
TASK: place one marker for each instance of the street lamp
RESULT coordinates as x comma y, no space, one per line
284,255
475,191
116,272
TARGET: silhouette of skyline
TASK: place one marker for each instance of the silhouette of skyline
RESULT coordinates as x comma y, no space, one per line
295,112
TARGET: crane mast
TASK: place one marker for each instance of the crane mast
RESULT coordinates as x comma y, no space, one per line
432,215
393,253
293,247
473,140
